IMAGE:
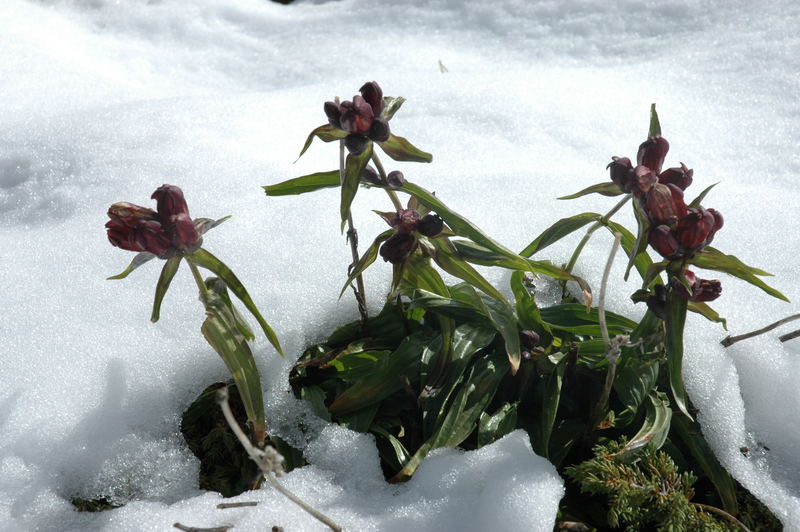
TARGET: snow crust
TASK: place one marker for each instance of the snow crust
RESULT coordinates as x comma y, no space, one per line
104,101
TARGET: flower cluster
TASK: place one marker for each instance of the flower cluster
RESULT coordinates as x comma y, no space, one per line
675,230
161,232
360,117
403,242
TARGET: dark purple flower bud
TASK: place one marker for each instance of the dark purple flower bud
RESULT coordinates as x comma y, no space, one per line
398,247
152,238
622,173
406,220
183,233
355,143
334,113
693,229
373,95
395,178
430,225
706,290
122,236
663,241
643,180
664,204
652,153
679,287
170,201
379,132
130,214
718,223
680,177
371,176
356,116
529,339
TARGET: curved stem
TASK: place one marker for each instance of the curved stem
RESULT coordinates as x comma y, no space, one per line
381,172
598,224
730,340
722,513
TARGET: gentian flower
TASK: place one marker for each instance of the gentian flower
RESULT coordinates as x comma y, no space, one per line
360,117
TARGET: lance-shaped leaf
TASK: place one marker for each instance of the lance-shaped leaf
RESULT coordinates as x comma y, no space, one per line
463,412
713,259
528,314
606,188
400,149
655,429
138,260
326,133
494,427
696,202
674,323
221,332
203,258
559,230
573,317
398,456
655,126
691,435
366,259
219,287
164,280
653,272
418,273
448,259
634,381
708,313
391,105
204,225
550,399
303,184
353,168
739,263
641,236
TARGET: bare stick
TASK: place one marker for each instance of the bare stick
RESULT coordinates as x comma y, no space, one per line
612,347
789,336
730,340
269,461
226,505
381,172
185,528
721,513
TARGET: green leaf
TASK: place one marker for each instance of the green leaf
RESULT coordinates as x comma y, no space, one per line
691,435
648,325
654,272
634,381
696,202
449,260
220,331
606,188
400,454
315,397
559,230
306,183
326,133
353,168
418,273
400,149
655,126
494,427
366,259
203,258
164,280
360,420
528,314
708,313
712,259
204,225
463,412
654,430
220,288
739,263
137,261
386,379
391,105
551,396
674,322
572,317
641,236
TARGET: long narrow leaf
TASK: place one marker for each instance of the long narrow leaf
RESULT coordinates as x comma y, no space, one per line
606,188
655,429
699,199
401,149
353,168
326,133
551,397
137,261
164,280
366,259
205,259
448,259
674,322
559,230
712,259
641,235
303,184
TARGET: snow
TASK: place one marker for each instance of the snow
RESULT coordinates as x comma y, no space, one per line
104,101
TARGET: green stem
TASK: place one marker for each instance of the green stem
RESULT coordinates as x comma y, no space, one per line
598,224
198,279
392,195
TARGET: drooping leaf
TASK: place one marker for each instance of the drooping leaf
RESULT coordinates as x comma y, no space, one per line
326,133
559,230
204,258
303,184
708,313
353,168
220,331
204,225
655,126
391,105
138,260
164,280
641,235
573,317
691,435
400,149
655,429
494,427
712,259
699,199
606,188
674,323
366,259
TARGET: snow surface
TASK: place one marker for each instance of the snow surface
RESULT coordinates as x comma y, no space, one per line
104,101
